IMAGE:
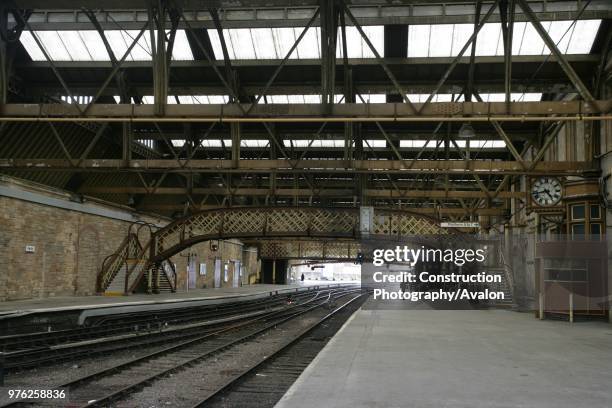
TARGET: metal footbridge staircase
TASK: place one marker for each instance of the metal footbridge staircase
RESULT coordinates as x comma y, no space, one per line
129,269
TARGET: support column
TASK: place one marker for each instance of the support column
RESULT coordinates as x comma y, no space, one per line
329,30
4,77
235,135
157,14
127,143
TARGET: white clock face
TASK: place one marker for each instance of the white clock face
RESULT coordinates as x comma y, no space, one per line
546,191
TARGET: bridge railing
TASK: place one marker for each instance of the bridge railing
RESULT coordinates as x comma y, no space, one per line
256,222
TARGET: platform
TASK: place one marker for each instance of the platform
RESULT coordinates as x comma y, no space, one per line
458,358
66,303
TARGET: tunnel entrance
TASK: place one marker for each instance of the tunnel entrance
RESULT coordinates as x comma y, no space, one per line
274,271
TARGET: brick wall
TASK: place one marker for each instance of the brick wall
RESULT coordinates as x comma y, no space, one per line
70,246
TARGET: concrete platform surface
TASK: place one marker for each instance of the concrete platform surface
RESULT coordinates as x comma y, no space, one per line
61,303
458,358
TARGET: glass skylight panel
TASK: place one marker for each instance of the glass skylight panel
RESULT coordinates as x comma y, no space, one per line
31,47
216,143
444,98
518,34
494,97
377,143
266,43
376,35
309,46
242,42
87,45
284,37
218,99
446,40
181,50
532,42
440,43
75,46
312,98
95,46
120,41
216,44
418,40
561,33
421,98
146,142
262,38
80,99
254,143
295,98
183,99
526,97
277,99
514,97
461,33
292,99
53,45
488,40
487,144
313,143
353,43
372,98
417,143
583,36
211,143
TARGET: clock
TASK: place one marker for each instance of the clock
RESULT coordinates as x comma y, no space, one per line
546,191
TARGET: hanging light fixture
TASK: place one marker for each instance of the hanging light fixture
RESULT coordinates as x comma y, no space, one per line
466,131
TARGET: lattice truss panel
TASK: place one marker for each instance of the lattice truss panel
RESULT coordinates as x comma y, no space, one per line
309,249
404,224
305,222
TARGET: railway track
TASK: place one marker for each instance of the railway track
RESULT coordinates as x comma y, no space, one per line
102,326
146,337
263,384
121,381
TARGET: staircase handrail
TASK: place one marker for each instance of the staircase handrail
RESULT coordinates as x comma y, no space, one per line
109,270
172,279
141,257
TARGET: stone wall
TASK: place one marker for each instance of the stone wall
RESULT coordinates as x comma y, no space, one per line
71,240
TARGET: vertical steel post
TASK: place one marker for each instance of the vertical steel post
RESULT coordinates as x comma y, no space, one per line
4,76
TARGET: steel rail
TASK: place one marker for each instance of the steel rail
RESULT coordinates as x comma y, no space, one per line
125,323
168,350
126,390
254,367
131,340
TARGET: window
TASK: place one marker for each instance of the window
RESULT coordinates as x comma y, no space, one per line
596,231
578,231
578,212
595,211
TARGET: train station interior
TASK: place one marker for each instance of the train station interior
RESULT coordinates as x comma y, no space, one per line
297,203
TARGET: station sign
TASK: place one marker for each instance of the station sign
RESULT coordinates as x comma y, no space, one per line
460,225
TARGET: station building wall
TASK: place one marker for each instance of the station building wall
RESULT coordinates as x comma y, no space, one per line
70,239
